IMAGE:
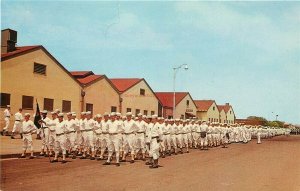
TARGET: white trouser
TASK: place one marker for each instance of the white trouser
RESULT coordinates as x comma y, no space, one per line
45,138
203,141
173,141
70,142
140,142
105,141
60,144
185,140
52,137
114,146
27,142
17,127
6,119
154,149
196,137
190,138
89,140
129,143
78,139
258,138
166,142
179,140
97,140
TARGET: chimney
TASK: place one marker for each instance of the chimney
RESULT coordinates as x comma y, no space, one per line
8,40
227,103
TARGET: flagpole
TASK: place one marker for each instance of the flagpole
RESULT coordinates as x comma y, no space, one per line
43,130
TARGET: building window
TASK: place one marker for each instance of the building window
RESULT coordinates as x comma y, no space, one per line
182,117
208,119
187,102
66,106
89,107
137,111
128,110
27,102
39,69
5,99
230,112
142,92
214,108
145,112
48,104
152,112
113,109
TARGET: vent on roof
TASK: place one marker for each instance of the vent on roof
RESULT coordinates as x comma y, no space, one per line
39,68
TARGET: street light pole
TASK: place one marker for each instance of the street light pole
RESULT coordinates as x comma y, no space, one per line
175,69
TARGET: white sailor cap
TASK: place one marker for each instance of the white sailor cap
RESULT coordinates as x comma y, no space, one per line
60,114
57,110
128,114
154,116
118,114
74,114
69,113
113,114
106,114
144,116
88,112
27,114
177,119
136,118
159,118
98,115
53,112
8,106
83,113
44,111
139,114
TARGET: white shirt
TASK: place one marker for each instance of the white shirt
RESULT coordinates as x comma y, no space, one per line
82,124
28,127
61,127
173,129
203,128
105,126
89,124
52,124
155,131
141,126
165,129
70,125
6,113
47,121
98,127
18,116
130,126
114,127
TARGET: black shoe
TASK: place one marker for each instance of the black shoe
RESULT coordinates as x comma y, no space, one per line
148,163
54,160
187,151
83,157
12,137
22,156
153,166
92,158
117,164
99,159
31,157
175,153
106,163
132,161
74,157
45,155
143,159
123,160
63,161
41,154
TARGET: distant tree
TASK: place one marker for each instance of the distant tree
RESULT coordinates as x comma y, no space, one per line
263,120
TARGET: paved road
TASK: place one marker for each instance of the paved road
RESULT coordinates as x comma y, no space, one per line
273,165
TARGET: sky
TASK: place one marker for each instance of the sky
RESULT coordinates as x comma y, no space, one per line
243,53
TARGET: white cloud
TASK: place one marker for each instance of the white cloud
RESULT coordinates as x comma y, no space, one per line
256,30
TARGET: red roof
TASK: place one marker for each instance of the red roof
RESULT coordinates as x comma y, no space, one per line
166,98
81,74
20,49
226,107
89,79
203,105
123,84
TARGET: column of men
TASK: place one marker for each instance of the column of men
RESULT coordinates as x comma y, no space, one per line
139,136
